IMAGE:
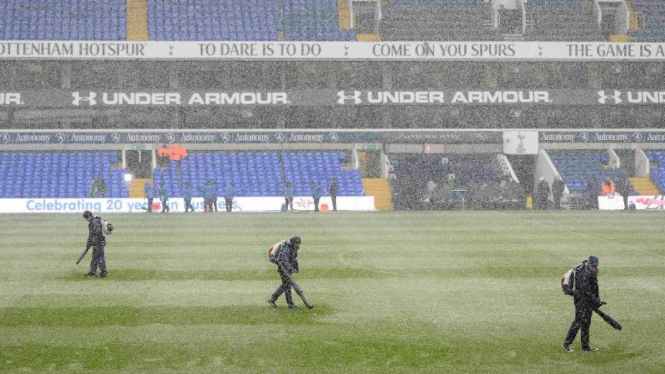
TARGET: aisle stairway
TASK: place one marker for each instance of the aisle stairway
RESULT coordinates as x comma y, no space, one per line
137,20
344,17
644,186
137,190
380,189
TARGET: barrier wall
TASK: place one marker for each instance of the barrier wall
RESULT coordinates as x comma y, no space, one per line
641,202
240,204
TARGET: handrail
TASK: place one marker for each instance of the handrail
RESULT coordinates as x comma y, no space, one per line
640,15
598,12
523,5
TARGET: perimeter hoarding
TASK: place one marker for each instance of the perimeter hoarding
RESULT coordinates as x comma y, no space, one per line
367,51
324,98
118,205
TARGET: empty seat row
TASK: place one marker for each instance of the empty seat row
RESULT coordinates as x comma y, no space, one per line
260,173
59,174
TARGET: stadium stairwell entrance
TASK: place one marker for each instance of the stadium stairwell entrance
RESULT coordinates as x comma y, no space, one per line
139,163
524,167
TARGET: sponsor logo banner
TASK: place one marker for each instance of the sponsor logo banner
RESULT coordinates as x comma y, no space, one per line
442,137
408,51
164,137
614,97
601,137
240,204
521,140
328,98
641,202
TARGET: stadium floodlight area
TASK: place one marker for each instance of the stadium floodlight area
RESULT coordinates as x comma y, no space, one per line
58,174
102,20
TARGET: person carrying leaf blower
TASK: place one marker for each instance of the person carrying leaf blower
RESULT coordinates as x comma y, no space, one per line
581,283
285,255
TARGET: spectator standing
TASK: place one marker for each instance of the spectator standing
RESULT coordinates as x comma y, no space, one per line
624,189
608,188
543,192
187,195
208,194
214,195
333,189
149,194
229,194
557,191
592,194
164,197
288,195
316,194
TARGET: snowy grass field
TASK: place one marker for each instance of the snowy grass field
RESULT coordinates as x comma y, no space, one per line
394,292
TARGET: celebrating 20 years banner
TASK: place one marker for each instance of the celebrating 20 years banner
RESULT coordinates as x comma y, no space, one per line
409,51
117,205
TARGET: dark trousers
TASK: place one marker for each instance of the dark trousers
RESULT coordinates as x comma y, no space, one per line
229,204
214,204
188,205
557,201
542,203
284,288
625,201
334,201
98,261
583,313
165,206
316,204
150,204
289,202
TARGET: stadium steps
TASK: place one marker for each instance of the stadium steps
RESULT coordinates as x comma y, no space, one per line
344,16
137,20
644,186
137,190
621,38
368,37
380,189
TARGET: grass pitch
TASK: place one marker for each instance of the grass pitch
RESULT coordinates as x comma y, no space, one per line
394,292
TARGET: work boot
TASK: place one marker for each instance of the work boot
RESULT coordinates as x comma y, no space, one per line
272,303
566,347
589,349
293,306
89,275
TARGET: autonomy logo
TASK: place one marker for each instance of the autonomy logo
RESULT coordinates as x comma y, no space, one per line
115,137
90,99
226,137
5,138
280,137
603,97
170,137
343,97
61,137
584,137
636,137
334,138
